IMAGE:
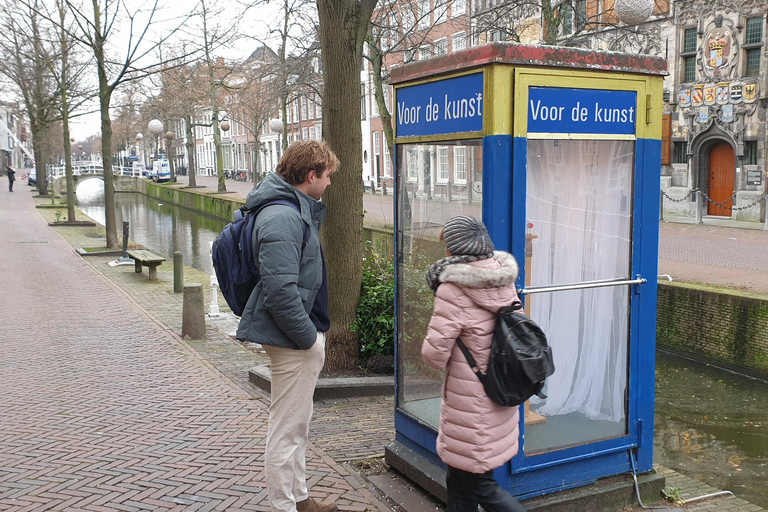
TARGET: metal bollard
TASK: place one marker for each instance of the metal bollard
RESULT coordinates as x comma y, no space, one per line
765,208
178,272
661,205
699,206
193,312
124,259
213,309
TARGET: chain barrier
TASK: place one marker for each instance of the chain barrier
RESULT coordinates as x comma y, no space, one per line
681,200
723,204
730,200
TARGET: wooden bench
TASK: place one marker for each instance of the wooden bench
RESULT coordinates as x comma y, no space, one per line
148,259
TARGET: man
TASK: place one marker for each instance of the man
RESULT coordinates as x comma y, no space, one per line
11,177
287,312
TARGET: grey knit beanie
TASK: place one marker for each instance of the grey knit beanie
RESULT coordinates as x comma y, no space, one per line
464,234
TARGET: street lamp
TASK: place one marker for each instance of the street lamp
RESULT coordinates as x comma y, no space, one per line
156,128
169,136
224,125
276,125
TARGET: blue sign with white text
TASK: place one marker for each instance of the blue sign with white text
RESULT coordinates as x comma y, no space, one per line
560,110
454,105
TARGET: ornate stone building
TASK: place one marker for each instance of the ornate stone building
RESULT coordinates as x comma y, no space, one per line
716,110
714,98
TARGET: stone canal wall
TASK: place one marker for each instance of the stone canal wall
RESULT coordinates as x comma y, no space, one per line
709,324
221,205
724,327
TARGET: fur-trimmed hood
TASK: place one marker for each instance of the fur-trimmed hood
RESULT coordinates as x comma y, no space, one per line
489,283
480,275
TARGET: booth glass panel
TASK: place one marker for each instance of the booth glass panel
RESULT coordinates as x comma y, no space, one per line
435,181
578,224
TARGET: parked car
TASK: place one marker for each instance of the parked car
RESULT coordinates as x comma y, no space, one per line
32,177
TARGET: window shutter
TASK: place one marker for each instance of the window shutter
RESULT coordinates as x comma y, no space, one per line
666,139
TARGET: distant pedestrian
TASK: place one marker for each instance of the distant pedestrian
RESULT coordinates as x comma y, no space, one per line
476,435
287,312
11,177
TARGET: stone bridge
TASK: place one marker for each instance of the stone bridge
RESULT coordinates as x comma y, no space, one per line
121,183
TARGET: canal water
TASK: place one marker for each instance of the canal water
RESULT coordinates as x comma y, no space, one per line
162,228
710,424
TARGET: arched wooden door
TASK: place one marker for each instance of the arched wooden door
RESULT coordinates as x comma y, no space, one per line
721,172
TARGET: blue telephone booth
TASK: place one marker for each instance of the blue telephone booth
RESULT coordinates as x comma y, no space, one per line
559,152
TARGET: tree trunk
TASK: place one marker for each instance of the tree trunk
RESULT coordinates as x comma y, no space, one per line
190,151
110,218
343,25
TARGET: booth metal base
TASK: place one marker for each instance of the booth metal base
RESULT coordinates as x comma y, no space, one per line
606,494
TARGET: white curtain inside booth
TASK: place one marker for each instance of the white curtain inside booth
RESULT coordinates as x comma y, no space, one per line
579,211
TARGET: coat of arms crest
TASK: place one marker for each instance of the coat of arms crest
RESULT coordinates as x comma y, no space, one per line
736,93
703,114
718,46
709,95
685,98
697,96
750,93
722,93
726,115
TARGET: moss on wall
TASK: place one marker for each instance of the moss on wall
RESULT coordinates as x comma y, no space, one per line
714,324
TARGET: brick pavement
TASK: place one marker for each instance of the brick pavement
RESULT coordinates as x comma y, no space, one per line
103,407
142,460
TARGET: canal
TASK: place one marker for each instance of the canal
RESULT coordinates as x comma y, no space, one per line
710,424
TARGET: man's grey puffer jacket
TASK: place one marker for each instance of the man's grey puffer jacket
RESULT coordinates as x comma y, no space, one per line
277,312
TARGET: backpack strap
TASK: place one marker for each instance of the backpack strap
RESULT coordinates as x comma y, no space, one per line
471,361
284,202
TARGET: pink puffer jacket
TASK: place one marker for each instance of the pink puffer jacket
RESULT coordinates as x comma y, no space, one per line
476,434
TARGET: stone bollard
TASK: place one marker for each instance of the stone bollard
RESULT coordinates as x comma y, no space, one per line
178,272
193,315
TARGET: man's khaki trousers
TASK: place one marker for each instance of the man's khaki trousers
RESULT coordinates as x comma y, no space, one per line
294,376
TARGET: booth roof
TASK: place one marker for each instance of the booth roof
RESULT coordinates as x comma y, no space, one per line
525,55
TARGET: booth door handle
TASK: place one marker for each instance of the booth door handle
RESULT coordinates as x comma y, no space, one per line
601,283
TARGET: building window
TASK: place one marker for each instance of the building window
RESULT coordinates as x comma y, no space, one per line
458,8
566,11
319,131
413,164
690,38
376,149
441,11
459,41
754,31
750,152
409,55
680,152
581,14
425,52
318,107
424,20
363,113
460,164
441,47
310,108
387,160
442,163
311,133
303,102
753,62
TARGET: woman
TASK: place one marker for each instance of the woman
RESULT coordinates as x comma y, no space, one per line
476,435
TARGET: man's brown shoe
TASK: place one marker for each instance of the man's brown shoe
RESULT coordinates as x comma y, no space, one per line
310,505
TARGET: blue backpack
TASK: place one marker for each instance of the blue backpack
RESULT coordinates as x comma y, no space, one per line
233,258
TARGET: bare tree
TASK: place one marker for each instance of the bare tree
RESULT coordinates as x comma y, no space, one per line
25,41
257,98
343,28
117,63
